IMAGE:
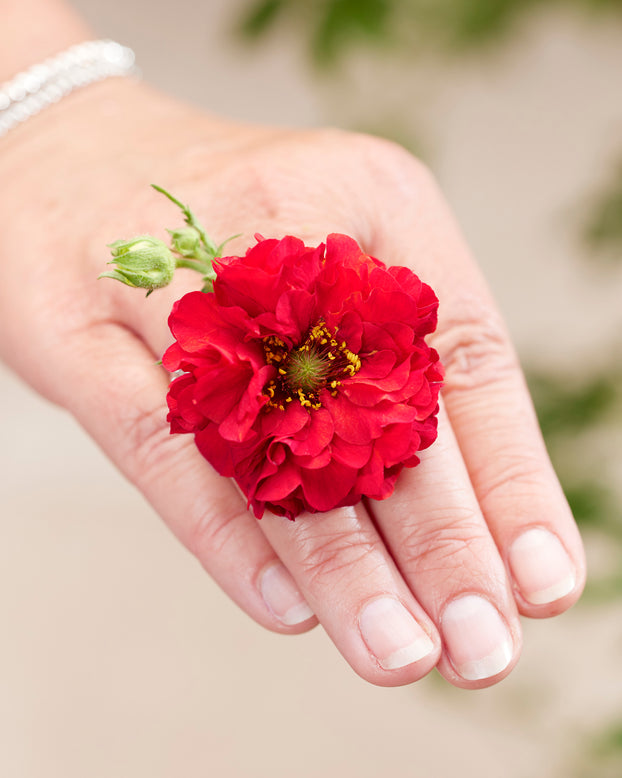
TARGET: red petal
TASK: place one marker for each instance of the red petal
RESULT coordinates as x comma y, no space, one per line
348,454
397,442
376,482
313,462
350,424
279,485
218,452
172,357
383,306
316,436
238,424
327,487
282,424
377,366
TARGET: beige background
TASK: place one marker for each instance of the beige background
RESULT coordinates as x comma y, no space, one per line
119,657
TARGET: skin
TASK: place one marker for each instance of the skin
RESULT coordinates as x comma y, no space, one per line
80,175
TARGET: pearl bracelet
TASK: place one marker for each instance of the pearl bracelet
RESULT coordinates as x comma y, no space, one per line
46,83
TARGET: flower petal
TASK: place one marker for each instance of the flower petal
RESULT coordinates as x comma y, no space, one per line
324,489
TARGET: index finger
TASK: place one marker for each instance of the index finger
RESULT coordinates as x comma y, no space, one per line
488,404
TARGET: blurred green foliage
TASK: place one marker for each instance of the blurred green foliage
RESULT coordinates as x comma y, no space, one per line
333,25
604,226
604,755
569,412
565,408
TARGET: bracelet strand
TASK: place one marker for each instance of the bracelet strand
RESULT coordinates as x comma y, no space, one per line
46,83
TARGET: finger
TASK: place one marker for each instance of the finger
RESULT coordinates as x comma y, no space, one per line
489,407
438,537
347,576
111,383
513,478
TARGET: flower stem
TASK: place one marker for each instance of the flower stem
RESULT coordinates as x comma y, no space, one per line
193,264
191,221
147,262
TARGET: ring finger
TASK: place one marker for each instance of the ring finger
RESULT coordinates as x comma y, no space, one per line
347,576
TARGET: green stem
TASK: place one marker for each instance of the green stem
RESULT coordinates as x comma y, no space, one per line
191,221
193,264
224,243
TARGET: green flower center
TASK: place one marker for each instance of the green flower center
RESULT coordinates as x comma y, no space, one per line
306,370
320,362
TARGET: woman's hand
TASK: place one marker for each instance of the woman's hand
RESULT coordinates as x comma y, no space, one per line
478,533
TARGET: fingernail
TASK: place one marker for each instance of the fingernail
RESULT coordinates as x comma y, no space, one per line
477,640
282,597
392,634
541,567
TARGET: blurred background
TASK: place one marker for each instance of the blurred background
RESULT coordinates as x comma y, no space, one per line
119,656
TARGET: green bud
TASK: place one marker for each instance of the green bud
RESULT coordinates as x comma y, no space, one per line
145,262
186,242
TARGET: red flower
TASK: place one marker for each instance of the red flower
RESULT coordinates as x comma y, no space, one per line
305,373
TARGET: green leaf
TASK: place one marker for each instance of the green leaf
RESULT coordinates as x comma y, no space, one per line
225,242
332,26
607,750
594,505
563,406
116,276
260,17
342,21
475,21
603,230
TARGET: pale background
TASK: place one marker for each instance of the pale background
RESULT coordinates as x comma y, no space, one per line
119,657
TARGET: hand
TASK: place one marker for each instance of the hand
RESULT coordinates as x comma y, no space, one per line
434,575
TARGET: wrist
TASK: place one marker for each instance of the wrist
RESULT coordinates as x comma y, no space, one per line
45,83
33,30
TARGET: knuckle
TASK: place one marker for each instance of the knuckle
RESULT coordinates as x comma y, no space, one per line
212,531
509,473
475,349
382,163
153,453
444,539
391,165
337,556
285,179
378,176
259,189
147,442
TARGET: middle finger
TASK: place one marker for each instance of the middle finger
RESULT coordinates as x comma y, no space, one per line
343,569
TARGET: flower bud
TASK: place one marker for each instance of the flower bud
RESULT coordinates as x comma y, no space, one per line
186,241
144,261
